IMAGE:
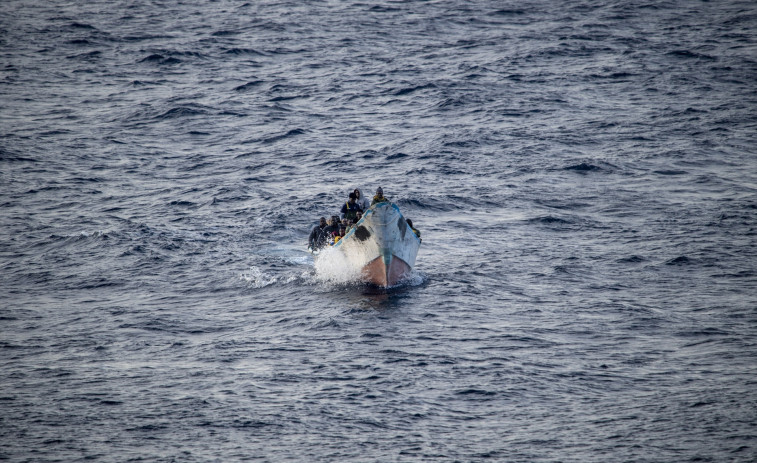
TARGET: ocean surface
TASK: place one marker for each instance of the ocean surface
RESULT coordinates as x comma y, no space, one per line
583,173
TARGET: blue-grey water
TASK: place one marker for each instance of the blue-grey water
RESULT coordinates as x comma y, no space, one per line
584,175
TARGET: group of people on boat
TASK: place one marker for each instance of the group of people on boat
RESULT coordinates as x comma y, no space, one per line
331,231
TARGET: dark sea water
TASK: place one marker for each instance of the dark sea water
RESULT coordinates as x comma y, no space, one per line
584,174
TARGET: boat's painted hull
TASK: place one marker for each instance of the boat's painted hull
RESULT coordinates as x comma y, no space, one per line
378,273
381,245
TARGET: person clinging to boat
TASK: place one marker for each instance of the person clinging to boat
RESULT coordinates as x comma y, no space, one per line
318,236
330,231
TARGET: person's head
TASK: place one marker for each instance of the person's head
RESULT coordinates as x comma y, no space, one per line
342,230
359,216
379,191
357,193
334,219
352,197
344,222
323,221
409,222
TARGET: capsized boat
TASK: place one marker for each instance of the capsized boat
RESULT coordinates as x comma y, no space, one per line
381,244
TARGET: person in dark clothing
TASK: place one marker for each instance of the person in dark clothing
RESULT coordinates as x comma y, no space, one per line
331,230
318,236
350,208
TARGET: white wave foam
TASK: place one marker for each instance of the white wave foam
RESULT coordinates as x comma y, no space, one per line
414,279
331,266
257,278
88,234
262,222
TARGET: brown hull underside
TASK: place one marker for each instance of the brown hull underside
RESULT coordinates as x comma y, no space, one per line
378,273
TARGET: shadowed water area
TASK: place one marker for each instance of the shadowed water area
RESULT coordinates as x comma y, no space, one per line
584,175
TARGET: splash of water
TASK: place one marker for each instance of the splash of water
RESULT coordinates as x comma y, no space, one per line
332,266
257,278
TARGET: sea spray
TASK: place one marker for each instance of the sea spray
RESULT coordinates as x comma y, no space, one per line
332,266
257,278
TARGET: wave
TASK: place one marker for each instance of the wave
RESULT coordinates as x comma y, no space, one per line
160,59
225,33
284,136
90,55
258,279
6,156
79,42
584,167
248,86
670,172
409,90
508,12
287,98
245,51
182,111
77,25
447,203
331,266
691,55
550,220
680,260
631,260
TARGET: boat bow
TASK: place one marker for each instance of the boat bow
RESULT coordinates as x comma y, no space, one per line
381,245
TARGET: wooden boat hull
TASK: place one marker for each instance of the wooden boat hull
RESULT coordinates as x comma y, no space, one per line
381,246
379,273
